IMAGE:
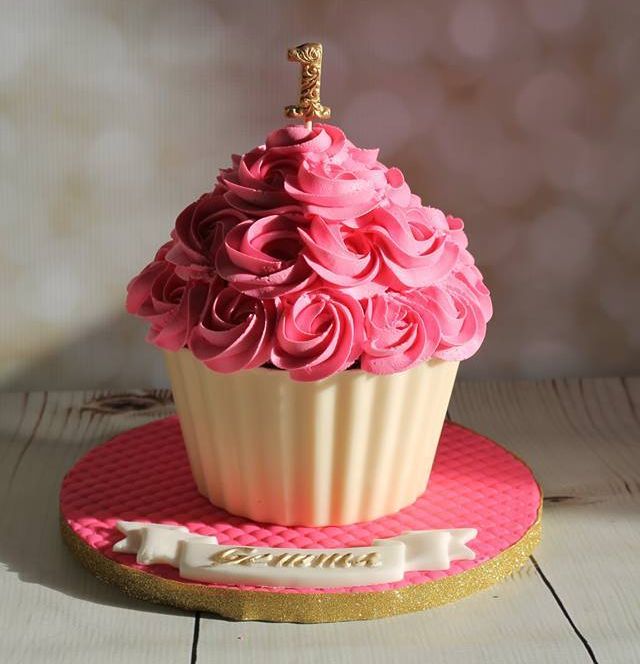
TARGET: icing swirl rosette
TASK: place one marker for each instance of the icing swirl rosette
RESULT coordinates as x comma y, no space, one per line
312,256
171,304
199,231
400,332
319,333
235,331
263,257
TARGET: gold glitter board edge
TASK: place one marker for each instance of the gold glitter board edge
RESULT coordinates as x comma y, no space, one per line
304,607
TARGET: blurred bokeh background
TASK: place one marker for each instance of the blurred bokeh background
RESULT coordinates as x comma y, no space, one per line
521,116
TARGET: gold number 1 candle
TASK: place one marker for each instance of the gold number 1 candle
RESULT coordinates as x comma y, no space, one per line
309,106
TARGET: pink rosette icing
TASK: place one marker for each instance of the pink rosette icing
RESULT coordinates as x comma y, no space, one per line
412,252
256,185
235,331
390,248
312,254
263,258
400,332
342,256
319,333
337,191
348,185
199,231
171,304
462,307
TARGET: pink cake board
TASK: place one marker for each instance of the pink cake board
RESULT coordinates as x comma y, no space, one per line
143,475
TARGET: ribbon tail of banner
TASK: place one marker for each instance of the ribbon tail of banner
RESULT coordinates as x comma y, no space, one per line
434,549
457,547
155,543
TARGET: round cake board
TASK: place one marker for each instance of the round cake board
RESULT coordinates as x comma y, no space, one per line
143,475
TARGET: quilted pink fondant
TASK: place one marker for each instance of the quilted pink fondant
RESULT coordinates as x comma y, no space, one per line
143,475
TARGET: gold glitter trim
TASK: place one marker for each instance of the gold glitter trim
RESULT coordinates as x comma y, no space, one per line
304,607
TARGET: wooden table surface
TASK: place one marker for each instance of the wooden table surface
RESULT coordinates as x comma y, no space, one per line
576,600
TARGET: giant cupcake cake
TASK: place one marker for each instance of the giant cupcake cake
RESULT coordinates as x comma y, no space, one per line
312,262
313,312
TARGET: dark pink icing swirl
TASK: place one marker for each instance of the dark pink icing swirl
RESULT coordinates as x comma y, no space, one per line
199,231
235,331
171,304
312,255
263,257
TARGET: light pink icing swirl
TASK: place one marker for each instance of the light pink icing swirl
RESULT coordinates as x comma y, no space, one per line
235,331
462,306
257,184
348,185
412,251
391,247
312,255
319,333
400,332
343,257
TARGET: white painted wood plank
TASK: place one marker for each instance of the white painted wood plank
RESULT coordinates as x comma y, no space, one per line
52,610
516,622
582,438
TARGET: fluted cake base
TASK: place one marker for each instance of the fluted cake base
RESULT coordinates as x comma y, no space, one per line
350,448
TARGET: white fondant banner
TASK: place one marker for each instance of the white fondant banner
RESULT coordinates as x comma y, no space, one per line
201,558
